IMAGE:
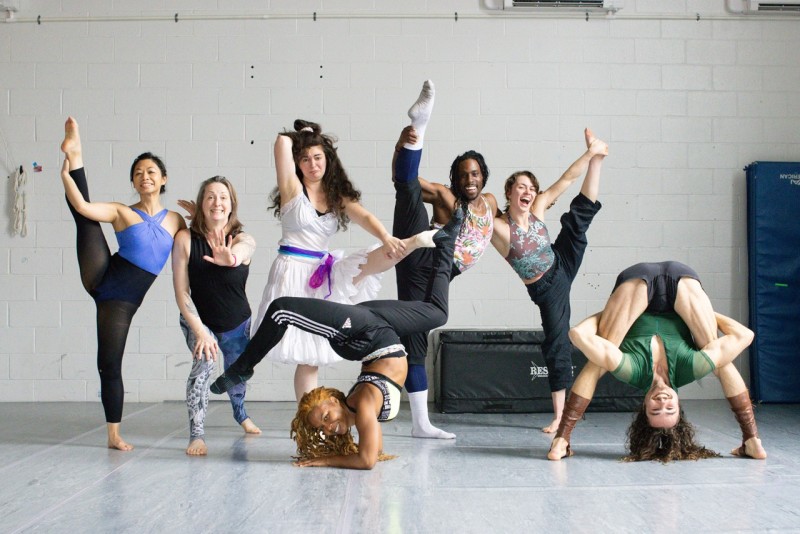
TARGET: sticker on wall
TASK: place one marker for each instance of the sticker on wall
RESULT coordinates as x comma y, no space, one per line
37,167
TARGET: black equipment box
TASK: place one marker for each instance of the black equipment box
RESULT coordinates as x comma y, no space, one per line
503,371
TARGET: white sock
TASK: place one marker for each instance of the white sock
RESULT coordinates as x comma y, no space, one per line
420,113
421,426
425,239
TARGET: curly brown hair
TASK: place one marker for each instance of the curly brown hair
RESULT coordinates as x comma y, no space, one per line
335,182
314,443
646,443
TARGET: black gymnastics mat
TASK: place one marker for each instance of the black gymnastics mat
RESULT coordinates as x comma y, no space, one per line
503,371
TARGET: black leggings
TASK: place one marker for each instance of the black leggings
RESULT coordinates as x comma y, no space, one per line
113,316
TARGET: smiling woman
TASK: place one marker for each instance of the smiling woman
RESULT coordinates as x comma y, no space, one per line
210,265
118,282
547,270
658,332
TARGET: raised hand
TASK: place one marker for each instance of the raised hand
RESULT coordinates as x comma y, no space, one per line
596,146
189,206
222,254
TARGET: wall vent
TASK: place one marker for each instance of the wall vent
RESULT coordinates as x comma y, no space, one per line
609,6
767,7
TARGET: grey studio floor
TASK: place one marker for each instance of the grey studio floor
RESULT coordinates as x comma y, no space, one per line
58,476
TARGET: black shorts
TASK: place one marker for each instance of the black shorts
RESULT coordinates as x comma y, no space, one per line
662,282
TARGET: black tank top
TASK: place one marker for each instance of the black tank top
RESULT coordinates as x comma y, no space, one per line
217,292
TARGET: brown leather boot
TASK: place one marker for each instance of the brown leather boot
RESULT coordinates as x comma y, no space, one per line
573,410
743,410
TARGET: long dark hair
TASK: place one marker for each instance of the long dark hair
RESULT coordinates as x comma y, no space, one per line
199,226
646,443
454,185
335,182
159,163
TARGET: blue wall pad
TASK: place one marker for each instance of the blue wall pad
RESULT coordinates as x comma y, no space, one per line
773,250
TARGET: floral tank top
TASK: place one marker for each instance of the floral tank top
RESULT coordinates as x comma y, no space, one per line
474,237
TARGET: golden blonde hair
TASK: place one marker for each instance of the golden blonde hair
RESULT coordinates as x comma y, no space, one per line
314,443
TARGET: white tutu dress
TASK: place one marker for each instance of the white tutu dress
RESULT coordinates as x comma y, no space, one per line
302,228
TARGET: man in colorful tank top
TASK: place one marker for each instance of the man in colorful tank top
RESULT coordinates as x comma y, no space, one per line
468,176
548,269
647,336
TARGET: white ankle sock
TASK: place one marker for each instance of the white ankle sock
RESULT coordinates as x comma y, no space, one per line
420,113
421,426
425,239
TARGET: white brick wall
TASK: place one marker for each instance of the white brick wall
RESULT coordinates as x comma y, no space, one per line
684,105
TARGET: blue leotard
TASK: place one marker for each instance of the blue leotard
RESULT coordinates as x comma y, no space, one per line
143,250
146,244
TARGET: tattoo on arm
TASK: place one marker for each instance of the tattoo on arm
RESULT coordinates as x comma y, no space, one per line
190,308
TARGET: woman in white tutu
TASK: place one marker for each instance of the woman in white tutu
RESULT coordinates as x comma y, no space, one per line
314,199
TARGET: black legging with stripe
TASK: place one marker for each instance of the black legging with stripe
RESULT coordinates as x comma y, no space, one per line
355,331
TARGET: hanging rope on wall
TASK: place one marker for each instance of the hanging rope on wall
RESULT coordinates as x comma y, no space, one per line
20,216
19,226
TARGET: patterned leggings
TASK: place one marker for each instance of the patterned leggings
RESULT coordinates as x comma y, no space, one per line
231,345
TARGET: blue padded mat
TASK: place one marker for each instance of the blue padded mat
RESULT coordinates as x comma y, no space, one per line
773,250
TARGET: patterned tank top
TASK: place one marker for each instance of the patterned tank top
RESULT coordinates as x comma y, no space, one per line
474,237
531,254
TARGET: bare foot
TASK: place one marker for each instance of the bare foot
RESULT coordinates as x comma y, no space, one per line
559,449
552,427
115,441
197,448
752,448
71,145
250,427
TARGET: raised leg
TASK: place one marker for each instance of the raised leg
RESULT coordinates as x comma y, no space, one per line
93,252
420,113
694,307
626,304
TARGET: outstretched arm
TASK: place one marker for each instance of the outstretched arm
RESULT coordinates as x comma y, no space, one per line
230,252
107,212
501,236
371,224
736,337
547,197
597,350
